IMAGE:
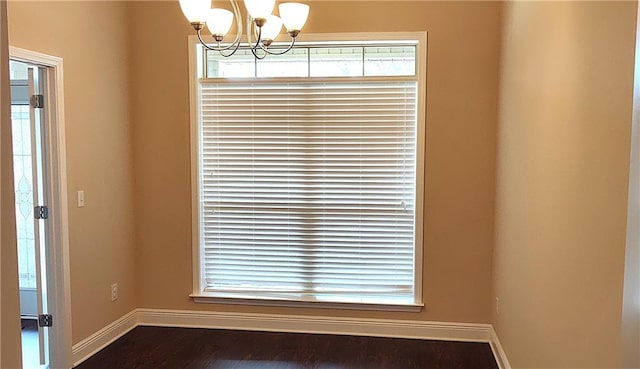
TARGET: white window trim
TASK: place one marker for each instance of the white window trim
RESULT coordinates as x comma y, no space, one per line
196,57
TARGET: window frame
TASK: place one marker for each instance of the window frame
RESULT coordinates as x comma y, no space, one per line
197,68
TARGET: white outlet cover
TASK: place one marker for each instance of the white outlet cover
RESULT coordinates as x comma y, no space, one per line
81,199
114,292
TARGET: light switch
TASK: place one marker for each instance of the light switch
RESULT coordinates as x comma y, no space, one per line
81,199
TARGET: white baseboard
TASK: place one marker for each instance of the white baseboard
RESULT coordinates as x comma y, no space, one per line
498,352
294,324
315,324
86,348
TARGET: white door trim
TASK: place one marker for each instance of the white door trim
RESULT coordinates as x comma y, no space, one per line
58,269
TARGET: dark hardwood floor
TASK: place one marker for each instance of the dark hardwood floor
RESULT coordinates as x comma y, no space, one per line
177,348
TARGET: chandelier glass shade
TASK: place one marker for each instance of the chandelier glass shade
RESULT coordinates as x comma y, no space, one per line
261,24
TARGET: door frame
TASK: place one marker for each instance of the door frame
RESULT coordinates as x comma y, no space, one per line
58,274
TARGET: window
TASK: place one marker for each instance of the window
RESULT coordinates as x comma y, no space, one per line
308,175
23,174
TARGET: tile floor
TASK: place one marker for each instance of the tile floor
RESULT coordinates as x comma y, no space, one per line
30,348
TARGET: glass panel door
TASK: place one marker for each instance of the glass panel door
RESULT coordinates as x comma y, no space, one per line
29,180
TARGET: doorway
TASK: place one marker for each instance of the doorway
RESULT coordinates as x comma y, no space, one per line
27,122
41,208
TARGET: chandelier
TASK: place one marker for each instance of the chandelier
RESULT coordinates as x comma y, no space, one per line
261,24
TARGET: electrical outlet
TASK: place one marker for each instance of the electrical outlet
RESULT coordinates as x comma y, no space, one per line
497,305
114,292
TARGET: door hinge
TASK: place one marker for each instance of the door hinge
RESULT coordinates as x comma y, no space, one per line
45,320
41,212
37,101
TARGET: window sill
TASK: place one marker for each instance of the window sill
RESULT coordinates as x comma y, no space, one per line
213,299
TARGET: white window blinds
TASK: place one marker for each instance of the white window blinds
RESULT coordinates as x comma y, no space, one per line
307,189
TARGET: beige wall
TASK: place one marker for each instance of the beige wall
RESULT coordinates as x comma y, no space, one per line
562,176
464,42
9,310
91,37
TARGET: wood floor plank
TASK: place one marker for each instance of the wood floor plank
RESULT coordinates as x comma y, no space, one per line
191,348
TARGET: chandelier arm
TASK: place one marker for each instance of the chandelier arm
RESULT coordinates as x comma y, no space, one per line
204,43
235,45
255,48
293,42
249,29
236,42
256,55
232,52
257,44
238,17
